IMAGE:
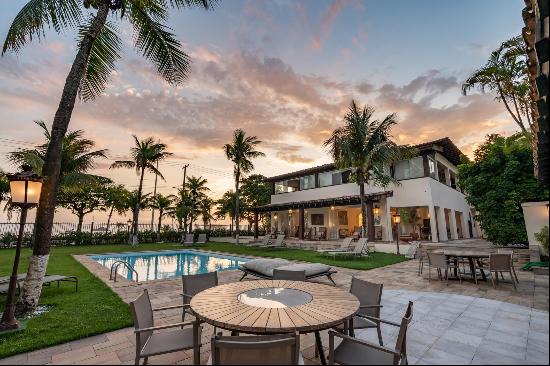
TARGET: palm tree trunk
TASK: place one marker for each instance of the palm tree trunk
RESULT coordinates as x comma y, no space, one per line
362,200
237,202
160,224
370,220
109,220
135,240
520,124
32,287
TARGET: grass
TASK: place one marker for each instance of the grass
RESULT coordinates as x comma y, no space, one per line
95,309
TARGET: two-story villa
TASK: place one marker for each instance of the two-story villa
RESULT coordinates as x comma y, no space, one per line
321,202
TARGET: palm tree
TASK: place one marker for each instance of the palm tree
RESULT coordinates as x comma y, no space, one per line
98,50
506,74
162,204
365,146
182,210
226,206
205,207
115,199
240,152
145,154
196,186
77,157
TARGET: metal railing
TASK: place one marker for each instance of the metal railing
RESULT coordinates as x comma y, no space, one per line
114,269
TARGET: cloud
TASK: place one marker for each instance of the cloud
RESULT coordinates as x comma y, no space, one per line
327,19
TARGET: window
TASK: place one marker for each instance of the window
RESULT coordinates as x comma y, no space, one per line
317,219
407,169
343,218
330,178
431,165
453,180
287,186
442,173
307,182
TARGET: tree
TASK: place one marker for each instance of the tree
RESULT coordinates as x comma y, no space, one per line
81,200
241,152
196,186
115,199
162,204
497,182
255,191
226,206
98,49
145,154
4,186
205,209
505,73
182,210
365,146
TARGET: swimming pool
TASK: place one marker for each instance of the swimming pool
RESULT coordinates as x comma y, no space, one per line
169,264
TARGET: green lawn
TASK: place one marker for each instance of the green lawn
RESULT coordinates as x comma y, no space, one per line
96,309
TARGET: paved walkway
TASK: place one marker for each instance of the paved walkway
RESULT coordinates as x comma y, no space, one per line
454,324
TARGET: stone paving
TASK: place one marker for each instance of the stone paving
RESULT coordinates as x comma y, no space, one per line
452,324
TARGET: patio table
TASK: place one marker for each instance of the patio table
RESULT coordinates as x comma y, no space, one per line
275,307
468,254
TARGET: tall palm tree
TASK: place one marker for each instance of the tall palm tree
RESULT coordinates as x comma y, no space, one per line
506,74
77,157
241,152
226,206
98,49
205,207
365,146
145,154
196,186
162,204
182,210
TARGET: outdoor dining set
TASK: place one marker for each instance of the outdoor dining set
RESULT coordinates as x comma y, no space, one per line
261,321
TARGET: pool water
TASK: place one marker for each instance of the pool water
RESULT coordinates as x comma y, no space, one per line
169,264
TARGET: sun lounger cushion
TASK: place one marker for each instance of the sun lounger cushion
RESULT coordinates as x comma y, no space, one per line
265,266
311,269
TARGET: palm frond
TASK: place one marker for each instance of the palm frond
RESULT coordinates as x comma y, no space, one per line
103,56
123,164
206,4
32,19
158,44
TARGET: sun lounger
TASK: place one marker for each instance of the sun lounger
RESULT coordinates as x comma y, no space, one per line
358,250
201,239
189,239
343,247
279,242
265,241
263,268
48,280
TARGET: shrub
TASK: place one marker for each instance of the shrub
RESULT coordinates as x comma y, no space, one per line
542,238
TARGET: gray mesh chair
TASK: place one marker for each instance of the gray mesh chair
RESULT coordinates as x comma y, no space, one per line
281,274
511,253
150,343
500,263
441,263
256,350
353,351
370,297
193,284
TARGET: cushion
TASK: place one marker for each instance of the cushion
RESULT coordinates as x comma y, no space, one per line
311,269
265,266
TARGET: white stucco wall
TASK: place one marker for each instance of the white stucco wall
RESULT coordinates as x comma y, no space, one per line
536,217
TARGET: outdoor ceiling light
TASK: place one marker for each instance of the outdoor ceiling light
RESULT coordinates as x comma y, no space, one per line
376,211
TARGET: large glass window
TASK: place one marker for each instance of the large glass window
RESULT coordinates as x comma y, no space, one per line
286,186
408,169
307,182
317,219
432,167
330,178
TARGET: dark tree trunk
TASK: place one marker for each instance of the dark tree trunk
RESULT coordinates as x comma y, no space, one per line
370,222
80,222
362,200
135,229
237,203
32,287
109,220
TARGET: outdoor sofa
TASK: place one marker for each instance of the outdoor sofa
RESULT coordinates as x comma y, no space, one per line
263,268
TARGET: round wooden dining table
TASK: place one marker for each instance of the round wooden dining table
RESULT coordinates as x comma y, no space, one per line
275,307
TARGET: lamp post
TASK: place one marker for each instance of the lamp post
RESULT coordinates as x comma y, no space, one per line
25,188
397,221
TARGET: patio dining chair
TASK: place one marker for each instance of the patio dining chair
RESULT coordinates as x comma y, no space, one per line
440,262
500,263
281,274
353,351
150,342
192,285
511,253
370,297
281,349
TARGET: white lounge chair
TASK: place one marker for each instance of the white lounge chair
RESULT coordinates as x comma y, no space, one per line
358,250
279,242
343,247
265,241
201,239
189,239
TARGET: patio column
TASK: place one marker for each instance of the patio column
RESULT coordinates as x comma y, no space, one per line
256,233
465,227
301,221
433,223
452,222
442,224
389,231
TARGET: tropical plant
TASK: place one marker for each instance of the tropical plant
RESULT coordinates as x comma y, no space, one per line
255,191
205,209
365,145
4,186
182,210
98,49
226,206
497,182
78,157
542,238
197,190
505,73
81,200
241,152
115,199
145,154
162,204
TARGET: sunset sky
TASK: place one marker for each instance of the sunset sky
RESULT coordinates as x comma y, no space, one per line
283,70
